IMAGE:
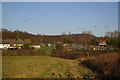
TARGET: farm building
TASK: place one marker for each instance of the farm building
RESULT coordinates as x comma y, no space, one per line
103,43
11,44
36,46
18,44
4,45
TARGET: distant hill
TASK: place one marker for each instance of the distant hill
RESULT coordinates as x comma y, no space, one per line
70,38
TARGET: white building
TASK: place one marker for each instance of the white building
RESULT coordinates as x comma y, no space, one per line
18,44
103,43
8,44
1,46
4,46
36,46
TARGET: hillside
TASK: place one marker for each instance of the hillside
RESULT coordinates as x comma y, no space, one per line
25,36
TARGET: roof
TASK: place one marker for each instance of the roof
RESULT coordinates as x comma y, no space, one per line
103,43
14,42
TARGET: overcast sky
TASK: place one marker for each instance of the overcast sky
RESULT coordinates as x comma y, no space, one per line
53,18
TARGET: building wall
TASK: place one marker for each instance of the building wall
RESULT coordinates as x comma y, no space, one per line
1,46
4,45
17,44
36,46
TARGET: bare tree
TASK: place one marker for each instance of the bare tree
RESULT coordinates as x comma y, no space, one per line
87,32
69,33
63,33
115,33
111,34
107,34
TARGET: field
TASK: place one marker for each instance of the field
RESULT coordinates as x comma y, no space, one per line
43,67
45,48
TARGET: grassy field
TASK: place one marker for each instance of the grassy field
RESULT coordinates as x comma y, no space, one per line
42,67
45,48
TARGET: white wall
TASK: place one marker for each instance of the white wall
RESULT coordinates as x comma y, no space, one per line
36,46
1,46
4,45
18,44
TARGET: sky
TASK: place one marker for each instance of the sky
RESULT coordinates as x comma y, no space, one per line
54,18
60,0
119,17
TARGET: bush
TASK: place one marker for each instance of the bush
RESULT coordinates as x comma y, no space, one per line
113,42
26,46
59,47
67,54
105,64
26,52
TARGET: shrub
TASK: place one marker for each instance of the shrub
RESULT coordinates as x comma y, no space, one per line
26,46
67,54
26,52
113,42
105,64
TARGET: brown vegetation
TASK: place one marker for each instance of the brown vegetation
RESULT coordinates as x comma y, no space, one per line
25,36
106,65
26,52
67,54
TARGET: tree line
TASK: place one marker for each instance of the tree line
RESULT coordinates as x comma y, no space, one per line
86,37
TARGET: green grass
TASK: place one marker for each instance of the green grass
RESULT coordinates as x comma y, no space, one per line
41,67
45,48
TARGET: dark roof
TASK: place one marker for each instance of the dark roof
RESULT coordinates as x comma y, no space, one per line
4,42
14,42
